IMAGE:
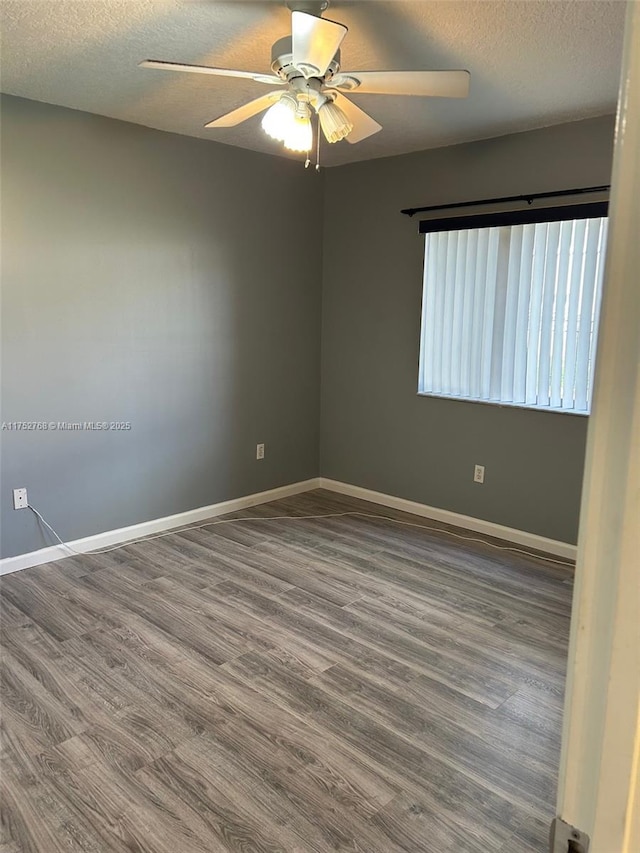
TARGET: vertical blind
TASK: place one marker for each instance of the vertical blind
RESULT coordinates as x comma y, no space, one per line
510,312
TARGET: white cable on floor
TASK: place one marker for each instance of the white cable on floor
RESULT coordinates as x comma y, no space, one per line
304,518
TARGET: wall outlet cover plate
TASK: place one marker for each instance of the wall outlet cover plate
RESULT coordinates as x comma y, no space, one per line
20,500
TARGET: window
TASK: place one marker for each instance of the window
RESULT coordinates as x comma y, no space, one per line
510,307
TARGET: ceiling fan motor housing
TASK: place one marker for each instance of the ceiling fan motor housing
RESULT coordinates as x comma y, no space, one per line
282,62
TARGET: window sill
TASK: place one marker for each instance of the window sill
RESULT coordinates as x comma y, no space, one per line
502,405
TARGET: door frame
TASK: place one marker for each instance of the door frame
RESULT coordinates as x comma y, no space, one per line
598,788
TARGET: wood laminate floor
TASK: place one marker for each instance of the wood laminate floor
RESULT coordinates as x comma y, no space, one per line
343,684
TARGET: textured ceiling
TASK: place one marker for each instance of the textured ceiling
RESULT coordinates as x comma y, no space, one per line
532,62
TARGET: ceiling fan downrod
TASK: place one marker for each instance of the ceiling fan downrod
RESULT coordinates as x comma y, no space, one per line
311,7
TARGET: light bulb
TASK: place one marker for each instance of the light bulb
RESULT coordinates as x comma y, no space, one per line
279,118
299,135
335,124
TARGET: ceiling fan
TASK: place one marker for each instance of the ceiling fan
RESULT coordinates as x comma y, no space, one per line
306,67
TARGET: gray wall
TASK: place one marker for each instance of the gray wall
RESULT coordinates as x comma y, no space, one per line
166,281
176,284
375,431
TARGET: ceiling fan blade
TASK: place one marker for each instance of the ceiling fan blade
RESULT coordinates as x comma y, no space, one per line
434,84
270,79
246,111
363,124
315,42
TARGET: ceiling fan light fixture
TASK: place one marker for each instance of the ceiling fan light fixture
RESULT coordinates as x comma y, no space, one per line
299,135
279,119
334,122
308,64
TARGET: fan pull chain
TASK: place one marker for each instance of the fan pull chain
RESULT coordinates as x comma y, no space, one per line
318,145
307,162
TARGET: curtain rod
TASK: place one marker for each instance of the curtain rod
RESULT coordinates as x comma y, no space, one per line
530,198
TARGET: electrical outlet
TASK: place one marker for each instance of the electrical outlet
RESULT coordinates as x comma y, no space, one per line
478,474
20,499
259,451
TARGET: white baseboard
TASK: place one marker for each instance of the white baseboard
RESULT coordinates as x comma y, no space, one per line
147,528
467,522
